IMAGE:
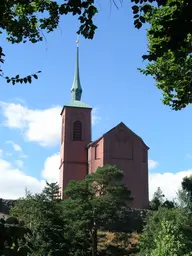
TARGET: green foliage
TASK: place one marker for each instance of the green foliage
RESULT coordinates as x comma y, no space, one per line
169,241
71,226
153,225
158,200
43,214
187,188
153,230
128,220
182,198
184,195
169,47
169,35
5,205
21,22
14,237
93,203
81,225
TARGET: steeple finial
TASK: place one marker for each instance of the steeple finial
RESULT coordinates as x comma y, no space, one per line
77,41
76,89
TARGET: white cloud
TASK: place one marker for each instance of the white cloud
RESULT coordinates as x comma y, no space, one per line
51,168
15,146
13,182
152,164
1,152
168,182
41,126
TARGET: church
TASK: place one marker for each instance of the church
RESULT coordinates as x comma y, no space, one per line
120,146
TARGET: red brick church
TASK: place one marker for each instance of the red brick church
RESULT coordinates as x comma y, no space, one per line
120,146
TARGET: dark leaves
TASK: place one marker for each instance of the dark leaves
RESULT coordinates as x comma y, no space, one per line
17,79
35,76
146,8
142,19
1,55
135,9
13,237
137,24
21,22
169,30
29,79
169,47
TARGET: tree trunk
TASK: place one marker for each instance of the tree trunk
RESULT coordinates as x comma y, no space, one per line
94,242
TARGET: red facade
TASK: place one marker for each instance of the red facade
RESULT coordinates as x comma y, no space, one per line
123,148
119,146
74,140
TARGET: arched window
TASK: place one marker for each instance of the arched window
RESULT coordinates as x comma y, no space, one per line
77,131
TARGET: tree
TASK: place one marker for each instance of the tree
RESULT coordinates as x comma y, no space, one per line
94,202
182,198
169,35
187,187
158,200
153,226
184,195
170,241
21,21
14,237
169,47
43,214
153,229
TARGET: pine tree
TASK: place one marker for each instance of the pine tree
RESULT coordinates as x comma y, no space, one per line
94,202
43,213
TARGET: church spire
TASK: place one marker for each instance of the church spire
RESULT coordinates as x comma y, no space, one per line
76,89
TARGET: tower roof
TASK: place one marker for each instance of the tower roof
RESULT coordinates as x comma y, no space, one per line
76,89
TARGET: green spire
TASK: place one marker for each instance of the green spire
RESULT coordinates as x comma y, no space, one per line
76,89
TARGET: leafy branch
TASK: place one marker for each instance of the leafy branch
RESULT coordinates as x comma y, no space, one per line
17,78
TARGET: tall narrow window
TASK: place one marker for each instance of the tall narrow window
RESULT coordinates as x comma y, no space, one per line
97,151
77,131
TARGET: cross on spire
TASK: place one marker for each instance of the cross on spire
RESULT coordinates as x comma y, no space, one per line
77,41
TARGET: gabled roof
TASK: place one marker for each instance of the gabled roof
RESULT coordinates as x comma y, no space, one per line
115,127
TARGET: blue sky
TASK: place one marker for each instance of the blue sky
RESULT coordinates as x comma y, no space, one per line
112,85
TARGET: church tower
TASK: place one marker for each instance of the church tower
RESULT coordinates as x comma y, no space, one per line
75,134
